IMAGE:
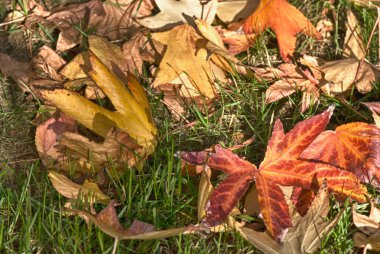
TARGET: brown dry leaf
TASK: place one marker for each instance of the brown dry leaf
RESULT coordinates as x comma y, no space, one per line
108,221
173,13
117,147
47,63
306,234
235,10
369,237
19,72
375,108
293,79
129,132
47,135
89,192
324,28
353,46
111,19
341,75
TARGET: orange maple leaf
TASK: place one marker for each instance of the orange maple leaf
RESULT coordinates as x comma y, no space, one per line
285,20
282,166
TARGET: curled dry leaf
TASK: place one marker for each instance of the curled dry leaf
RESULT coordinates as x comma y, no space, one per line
173,12
285,20
129,132
111,19
280,167
294,78
343,74
369,237
375,108
109,223
88,192
306,234
353,46
47,135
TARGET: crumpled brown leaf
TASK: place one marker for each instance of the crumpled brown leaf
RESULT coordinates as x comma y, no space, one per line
353,46
293,78
88,192
172,13
343,74
306,234
108,221
375,108
369,237
112,19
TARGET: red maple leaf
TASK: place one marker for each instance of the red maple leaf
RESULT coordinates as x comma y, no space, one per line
282,166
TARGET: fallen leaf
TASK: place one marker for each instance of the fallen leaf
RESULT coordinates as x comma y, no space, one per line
351,147
19,72
235,10
188,70
306,234
108,221
111,19
353,46
47,135
280,167
369,237
172,13
285,20
130,127
343,74
375,108
89,192
292,79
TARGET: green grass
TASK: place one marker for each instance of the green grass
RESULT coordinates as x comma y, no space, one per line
30,209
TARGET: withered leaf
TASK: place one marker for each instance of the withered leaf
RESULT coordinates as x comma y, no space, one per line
109,223
369,237
172,13
89,192
353,46
47,135
343,74
110,19
375,108
306,234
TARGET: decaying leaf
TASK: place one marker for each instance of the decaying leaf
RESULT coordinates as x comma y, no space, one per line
109,223
172,13
293,79
353,46
47,135
285,20
110,19
281,166
306,234
369,237
375,108
343,74
129,132
89,192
